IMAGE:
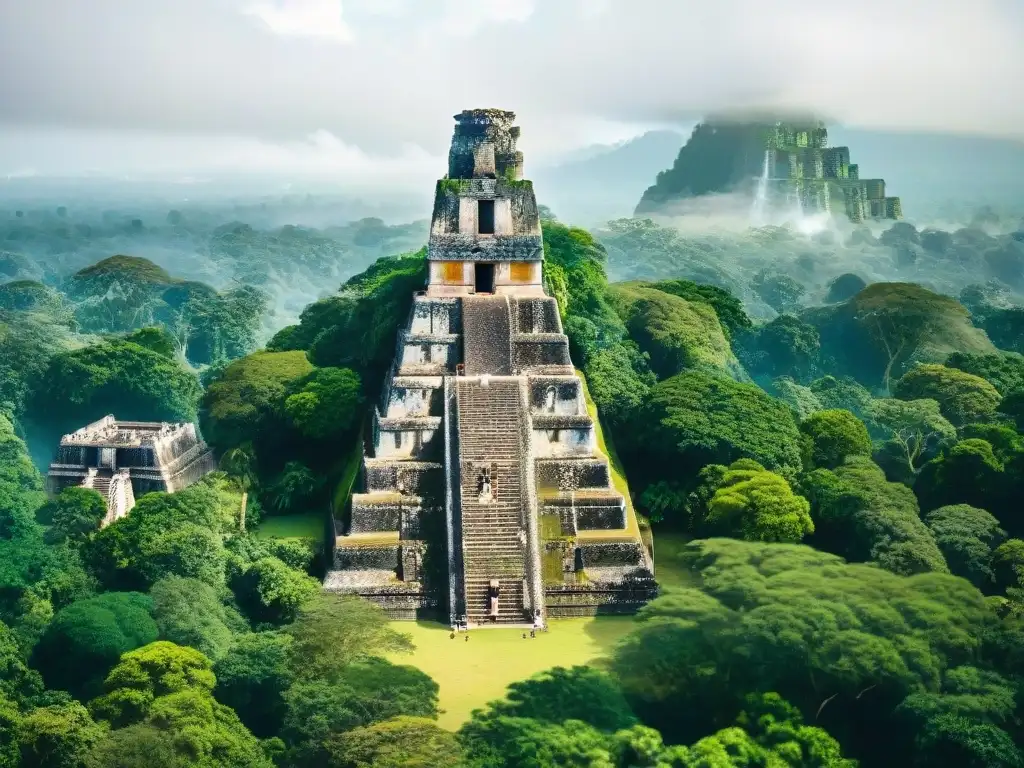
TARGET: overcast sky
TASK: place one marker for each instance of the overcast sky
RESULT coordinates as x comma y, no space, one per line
370,86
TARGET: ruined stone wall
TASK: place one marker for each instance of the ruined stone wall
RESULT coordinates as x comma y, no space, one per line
478,126
874,189
192,472
611,554
424,350
413,478
555,395
413,397
376,518
381,557
563,475
815,197
496,248
454,215
539,315
541,351
436,316
399,440
836,162
550,443
577,600
600,518
810,134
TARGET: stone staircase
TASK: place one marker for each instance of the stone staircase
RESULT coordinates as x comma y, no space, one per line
493,532
101,484
487,335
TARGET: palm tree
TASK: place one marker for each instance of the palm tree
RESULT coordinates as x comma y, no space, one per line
240,465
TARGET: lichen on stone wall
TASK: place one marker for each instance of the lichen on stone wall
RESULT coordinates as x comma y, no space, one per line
452,186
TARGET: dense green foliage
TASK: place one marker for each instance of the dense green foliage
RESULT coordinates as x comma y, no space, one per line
401,742
190,613
912,431
328,403
887,327
756,505
277,421
696,418
863,517
967,536
675,334
727,307
786,346
356,328
176,534
124,293
176,637
842,642
74,514
86,384
832,435
241,405
1004,371
87,638
962,397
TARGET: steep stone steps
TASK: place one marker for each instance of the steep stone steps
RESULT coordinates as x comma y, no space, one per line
490,440
487,335
100,482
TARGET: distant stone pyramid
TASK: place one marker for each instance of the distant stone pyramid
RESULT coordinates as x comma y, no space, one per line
484,495
782,163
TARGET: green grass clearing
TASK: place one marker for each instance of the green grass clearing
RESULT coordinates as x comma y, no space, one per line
473,673
306,526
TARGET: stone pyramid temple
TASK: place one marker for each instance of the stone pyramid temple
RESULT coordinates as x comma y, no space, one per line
484,495
786,165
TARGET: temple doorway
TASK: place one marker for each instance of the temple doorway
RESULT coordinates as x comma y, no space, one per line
484,277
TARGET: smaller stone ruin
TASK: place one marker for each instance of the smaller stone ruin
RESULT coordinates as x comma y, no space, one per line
126,459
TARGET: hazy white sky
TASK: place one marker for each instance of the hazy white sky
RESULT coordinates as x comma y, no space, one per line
370,86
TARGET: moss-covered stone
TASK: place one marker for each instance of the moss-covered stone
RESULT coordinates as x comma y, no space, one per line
791,155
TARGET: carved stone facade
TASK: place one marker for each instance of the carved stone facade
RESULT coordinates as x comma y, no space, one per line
125,459
483,494
800,165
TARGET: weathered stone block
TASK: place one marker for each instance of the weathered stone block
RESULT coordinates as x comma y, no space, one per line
594,517
373,557
536,315
611,554
541,350
572,474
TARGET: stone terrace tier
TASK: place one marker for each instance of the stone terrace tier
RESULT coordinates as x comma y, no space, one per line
381,539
